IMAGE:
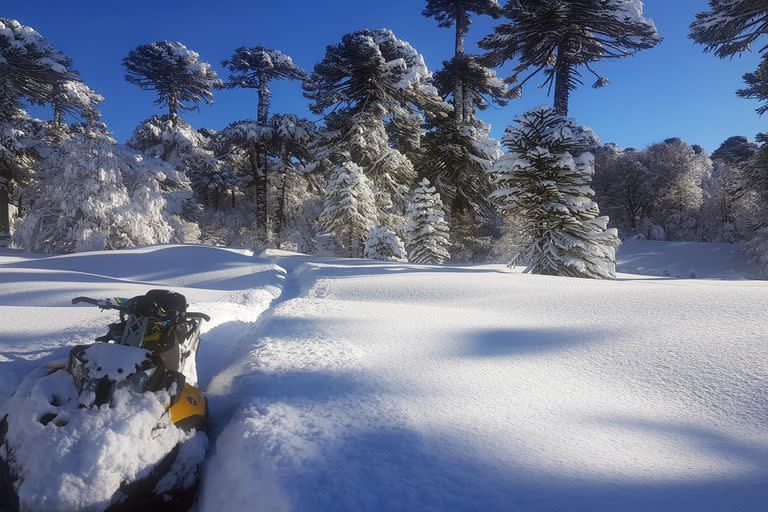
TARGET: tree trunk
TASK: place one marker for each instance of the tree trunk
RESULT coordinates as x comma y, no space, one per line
458,90
260,189
57,116
562,75
5,217
173,107
260,178
279,220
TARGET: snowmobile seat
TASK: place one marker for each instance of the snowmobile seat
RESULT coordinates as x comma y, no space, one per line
160,313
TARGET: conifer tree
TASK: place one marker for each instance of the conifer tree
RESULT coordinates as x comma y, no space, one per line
384,244
349,209
458,156
458,150
368,77
427,232
457,13
255,68
560,37
545,178
178,76
30,70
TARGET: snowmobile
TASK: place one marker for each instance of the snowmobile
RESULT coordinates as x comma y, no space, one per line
128,392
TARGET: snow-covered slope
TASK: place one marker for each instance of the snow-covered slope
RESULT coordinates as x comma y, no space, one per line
686,260
373,386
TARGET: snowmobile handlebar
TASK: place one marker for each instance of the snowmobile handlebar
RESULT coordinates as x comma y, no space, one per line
108,304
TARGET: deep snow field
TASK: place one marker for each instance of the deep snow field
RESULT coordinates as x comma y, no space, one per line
357,385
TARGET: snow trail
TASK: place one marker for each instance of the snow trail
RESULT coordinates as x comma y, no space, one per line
398,387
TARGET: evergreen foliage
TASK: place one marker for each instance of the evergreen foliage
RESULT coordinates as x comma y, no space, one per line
254,68
545,178
82,204
370,77
731,27
384,244
349,208
427,232
30,71
178,76
560,37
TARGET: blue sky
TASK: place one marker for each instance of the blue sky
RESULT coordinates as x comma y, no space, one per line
672,90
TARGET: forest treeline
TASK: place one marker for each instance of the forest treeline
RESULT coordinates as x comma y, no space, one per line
399,165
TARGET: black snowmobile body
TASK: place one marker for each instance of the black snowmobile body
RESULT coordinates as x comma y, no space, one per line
155,339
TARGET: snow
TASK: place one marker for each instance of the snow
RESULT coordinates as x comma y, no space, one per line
340,384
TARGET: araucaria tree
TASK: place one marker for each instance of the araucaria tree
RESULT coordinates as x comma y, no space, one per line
457,13
181,81
731,27
178,76
369,77
255,68
427,232
349,209
30,71
457,150
562,37
545,178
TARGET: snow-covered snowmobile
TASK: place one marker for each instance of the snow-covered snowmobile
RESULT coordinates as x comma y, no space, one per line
118,426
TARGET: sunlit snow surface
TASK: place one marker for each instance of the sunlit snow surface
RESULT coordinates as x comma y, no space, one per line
354,385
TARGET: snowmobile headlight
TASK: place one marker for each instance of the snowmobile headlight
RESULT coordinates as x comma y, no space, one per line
76,367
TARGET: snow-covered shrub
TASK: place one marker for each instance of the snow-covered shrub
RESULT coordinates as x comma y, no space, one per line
384,244
80,203
173,141
349,207
427,231
545,178
678,171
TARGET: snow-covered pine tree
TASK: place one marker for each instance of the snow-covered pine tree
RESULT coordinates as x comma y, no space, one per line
384,244
290,145
349,209
254,68
560,37
427,232
174,142
458,151
30,70
81,204
75,97
545,178
369,77
181,80
178,76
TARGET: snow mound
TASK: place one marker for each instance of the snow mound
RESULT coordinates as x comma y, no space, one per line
73,458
